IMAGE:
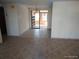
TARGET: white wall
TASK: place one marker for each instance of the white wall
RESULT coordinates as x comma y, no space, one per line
12,20
49,17
17,19
0,37
23,18
65,22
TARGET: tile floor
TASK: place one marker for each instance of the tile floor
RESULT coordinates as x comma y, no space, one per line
37,44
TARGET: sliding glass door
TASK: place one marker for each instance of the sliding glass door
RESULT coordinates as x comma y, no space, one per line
39,19
43,18
35,19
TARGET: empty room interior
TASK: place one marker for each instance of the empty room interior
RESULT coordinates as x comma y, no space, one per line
39,29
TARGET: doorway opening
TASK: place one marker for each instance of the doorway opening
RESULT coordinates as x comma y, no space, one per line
3,22
39,19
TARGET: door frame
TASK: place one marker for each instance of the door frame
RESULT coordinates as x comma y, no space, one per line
4,20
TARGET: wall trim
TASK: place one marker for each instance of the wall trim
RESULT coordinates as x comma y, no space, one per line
66,38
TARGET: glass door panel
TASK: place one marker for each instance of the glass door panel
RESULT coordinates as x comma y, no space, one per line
35,19
43,18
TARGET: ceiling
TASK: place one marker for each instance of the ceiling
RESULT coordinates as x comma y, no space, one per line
29,2
33,2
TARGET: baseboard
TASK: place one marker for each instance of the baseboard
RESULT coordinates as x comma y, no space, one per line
66,38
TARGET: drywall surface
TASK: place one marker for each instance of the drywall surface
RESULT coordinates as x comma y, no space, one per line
49,17
12,19
17,19
23,18
0,37
65,19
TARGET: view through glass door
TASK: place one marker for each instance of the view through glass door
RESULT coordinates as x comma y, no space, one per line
43,18
39,19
